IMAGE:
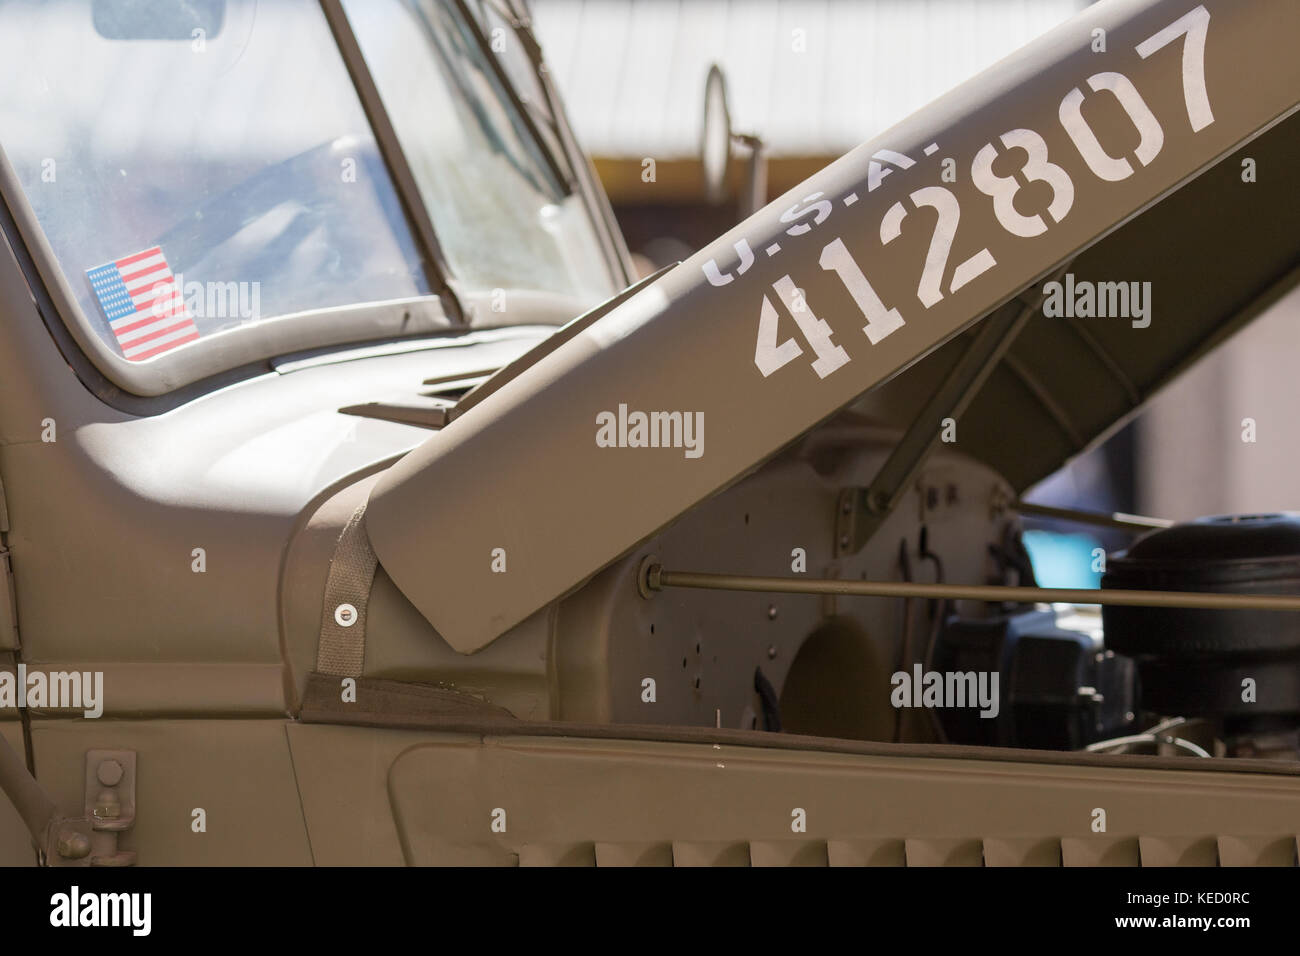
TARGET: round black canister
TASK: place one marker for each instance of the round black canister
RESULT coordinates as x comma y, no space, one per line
1207,662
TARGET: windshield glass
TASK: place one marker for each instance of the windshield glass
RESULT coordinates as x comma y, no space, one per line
502,217
207,168
198,172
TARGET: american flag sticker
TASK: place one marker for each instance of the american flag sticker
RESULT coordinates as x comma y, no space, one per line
145,309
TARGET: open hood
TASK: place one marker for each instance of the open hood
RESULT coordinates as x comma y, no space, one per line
1216,254
1051,161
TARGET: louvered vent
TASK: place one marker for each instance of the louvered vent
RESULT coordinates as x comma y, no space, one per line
570,801
1101,850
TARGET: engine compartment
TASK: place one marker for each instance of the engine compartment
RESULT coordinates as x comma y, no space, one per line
1063,677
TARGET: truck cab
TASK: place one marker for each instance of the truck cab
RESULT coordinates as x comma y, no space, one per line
377,513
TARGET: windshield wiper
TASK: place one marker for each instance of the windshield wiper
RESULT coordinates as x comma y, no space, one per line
521,109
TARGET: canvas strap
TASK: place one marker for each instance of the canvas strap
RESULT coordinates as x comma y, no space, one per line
342,647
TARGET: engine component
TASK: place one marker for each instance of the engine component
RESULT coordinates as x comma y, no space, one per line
1062,689
1241,667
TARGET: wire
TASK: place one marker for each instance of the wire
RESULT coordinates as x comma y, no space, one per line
770,703
1147,738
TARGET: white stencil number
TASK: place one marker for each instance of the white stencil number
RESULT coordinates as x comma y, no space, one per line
1003,189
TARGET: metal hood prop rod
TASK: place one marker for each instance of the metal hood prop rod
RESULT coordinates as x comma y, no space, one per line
61,840
657,579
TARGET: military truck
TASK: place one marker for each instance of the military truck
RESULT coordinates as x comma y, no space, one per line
359,506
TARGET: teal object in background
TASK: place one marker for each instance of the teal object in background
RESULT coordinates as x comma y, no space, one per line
1063,560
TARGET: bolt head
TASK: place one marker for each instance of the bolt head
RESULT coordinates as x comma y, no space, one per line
72,845
109,772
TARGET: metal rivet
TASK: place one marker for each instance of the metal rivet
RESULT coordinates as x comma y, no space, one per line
771,612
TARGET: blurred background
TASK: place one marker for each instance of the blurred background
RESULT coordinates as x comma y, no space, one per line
814,78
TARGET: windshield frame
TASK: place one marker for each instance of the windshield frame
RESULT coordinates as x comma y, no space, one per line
235,354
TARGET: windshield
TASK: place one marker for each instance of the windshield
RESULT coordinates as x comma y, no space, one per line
503,218
205,169
212,177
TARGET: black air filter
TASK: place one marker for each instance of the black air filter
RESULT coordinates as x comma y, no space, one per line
1195,661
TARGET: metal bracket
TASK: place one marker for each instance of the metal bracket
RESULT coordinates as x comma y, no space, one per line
862,510
852,520
110,804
